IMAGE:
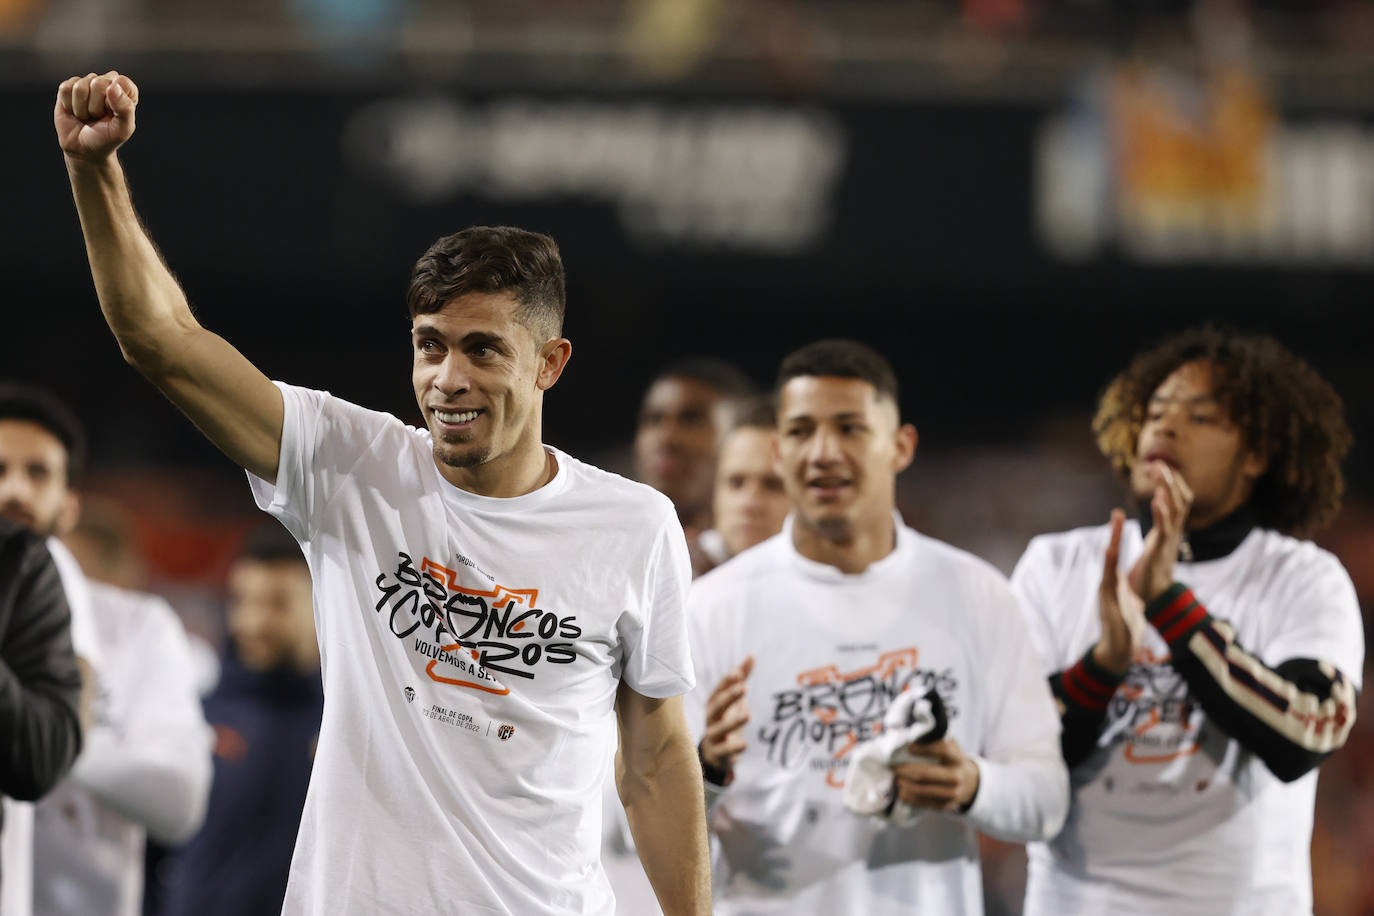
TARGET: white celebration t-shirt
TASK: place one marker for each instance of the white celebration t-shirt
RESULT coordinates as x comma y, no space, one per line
831,651
471,648
1171,814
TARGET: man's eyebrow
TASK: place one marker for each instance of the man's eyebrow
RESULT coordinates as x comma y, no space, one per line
472,337
845,415
484,337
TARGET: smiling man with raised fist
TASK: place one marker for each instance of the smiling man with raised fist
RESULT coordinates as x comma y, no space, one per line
488,607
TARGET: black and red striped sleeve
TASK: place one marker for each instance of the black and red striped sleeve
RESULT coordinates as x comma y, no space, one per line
1084,691
1292,716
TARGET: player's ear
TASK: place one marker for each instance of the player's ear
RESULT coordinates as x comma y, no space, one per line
1254,465
553,357
907,438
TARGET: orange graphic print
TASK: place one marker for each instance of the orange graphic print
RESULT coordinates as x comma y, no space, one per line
1155,708
498,595
473,636
832,709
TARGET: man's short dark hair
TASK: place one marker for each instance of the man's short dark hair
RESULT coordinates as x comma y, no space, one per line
759,412
271,543
493,259
36,405
727,379
841,359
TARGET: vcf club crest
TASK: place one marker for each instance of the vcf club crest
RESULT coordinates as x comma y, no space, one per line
410,694
505,731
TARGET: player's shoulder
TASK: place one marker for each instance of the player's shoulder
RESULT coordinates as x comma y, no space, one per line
614,492
954,560
757,566
133,607
1059,550
1284,555
343,411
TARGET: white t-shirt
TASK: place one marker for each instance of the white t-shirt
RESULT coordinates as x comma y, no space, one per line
1169,813
467,779
16,834
830,652
85,634
144,765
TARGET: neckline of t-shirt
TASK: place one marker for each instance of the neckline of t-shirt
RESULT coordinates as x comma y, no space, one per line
906,539
464,499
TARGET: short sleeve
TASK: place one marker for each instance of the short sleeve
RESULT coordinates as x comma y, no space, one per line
1321,617
657,660
322,439
1032,584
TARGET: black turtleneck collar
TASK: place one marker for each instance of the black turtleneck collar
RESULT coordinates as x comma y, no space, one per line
1213,542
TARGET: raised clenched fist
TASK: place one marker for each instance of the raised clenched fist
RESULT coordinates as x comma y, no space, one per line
94,114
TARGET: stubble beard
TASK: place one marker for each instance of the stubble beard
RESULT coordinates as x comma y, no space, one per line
836,529
451,455
25,519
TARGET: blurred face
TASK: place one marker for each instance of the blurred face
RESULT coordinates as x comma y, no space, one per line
33,478
750,502
1187,429
681,423
840,448
479,378
270,618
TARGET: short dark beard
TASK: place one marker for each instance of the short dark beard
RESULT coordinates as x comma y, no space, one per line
23,519
463,460
838,531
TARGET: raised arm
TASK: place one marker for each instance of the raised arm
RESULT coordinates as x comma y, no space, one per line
225,395
659,779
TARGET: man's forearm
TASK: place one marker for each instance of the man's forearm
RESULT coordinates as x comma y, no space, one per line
663,802
164,786
1292,717
141,300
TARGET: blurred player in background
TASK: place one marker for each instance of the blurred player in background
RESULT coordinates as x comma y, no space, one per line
749,501
803,642
1206,656
686,412
266,715
42,451
489,608
145,765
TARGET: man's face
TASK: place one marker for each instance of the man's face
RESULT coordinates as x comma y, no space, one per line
476,376
270,618
750,502
33,478
840,448
681,423
1187,429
